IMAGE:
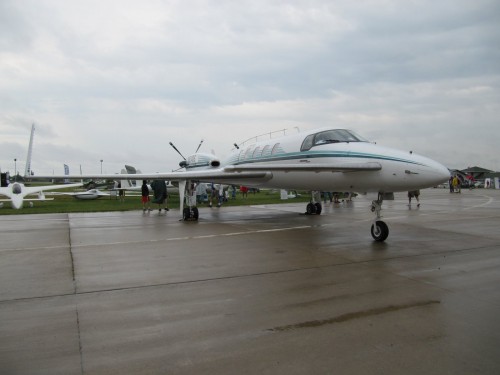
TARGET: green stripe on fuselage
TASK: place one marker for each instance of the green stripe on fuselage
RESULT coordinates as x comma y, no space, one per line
323,154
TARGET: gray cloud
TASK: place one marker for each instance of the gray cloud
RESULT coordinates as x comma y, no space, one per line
118,81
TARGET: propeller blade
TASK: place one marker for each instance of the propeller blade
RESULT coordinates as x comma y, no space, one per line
175,148
199,146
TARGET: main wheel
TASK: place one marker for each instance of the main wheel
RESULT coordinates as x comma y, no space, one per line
195,213
380,231
318,208
186,213
310,209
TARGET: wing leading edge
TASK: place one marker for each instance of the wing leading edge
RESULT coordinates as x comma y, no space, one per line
251,172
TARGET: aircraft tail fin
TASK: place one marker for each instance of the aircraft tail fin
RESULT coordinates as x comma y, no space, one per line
125,184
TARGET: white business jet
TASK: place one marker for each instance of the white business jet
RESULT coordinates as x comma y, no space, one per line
17,192
317,160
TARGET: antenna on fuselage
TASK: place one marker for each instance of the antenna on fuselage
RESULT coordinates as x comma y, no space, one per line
237,147
175,148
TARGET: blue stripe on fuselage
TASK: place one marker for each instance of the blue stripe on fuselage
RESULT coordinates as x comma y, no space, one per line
197,165
323,154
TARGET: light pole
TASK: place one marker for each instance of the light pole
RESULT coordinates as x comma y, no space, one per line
101,166
15,169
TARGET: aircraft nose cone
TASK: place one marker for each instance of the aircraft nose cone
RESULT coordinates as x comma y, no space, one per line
431,173
444,172
440,172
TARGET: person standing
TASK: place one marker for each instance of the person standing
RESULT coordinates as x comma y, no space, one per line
121,192
221,195
414,194
145,196
213,194
244,191
160,194
456,184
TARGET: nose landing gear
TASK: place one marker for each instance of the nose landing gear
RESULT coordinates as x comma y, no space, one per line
379,229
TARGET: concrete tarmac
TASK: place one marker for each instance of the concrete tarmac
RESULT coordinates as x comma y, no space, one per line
255,290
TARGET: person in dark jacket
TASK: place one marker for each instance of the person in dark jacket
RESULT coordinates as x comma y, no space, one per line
145,196
160,194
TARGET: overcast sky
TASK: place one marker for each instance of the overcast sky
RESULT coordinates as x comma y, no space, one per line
119,80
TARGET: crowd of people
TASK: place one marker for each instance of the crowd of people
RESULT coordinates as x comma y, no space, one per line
210,193
217,194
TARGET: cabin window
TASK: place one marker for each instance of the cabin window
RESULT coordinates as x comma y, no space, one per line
16,189
256,152
266,151
248,152
242,155
275,149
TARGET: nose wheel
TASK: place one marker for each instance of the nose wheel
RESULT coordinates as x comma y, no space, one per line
379,229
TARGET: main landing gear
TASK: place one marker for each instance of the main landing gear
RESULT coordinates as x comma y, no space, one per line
379,229
189,211
190,214
314,206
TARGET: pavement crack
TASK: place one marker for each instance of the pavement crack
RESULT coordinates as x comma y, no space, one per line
351,316
80,349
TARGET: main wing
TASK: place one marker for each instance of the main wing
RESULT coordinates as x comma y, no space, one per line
244,172
200,175
235,174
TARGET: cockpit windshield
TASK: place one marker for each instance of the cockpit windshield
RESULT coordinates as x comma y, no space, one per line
330,136
16,189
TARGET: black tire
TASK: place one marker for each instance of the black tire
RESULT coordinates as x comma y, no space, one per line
318,208
380,231
310,209
195,213
186,213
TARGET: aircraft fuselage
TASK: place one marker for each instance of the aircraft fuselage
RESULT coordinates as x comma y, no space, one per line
346,165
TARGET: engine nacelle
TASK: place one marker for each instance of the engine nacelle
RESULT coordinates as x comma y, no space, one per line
201,160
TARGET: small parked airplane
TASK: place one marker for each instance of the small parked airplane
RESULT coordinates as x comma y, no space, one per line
16,192
324,159
86,195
